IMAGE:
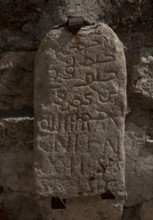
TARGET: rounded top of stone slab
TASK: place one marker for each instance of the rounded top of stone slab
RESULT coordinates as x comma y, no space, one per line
80,102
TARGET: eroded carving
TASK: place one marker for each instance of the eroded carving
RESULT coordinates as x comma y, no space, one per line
79,113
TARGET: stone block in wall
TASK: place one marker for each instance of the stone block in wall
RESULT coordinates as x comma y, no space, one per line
16,151
85,208
131,213
16,80
142,211
17,206
15,13
139,155
142,79
139,55
80,102
146,211
15,40
110,12
138,139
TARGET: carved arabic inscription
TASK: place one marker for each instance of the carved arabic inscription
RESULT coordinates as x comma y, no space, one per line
79,113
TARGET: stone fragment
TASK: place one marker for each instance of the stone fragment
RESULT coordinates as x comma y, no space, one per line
80,101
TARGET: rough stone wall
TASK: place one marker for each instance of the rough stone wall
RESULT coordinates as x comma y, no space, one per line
22,26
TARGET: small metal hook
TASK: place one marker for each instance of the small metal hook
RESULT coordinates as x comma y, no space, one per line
76,23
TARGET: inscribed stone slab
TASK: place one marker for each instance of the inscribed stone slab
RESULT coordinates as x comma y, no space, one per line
80,102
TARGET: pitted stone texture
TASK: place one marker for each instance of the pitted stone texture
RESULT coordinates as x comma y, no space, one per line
80,105
142,79
140,66
139,121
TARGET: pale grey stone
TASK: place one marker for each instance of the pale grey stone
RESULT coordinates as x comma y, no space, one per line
80,104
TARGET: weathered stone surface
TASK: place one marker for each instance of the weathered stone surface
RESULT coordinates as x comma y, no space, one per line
111,12
84,208
133,15
79,113
146,211
16,145
55,12
131,213
139,54
142,79
139,156
16,76
139,120
142,211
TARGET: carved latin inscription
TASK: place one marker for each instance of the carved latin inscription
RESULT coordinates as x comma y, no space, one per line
79,113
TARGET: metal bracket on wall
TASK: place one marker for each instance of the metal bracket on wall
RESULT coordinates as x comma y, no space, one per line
76,23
